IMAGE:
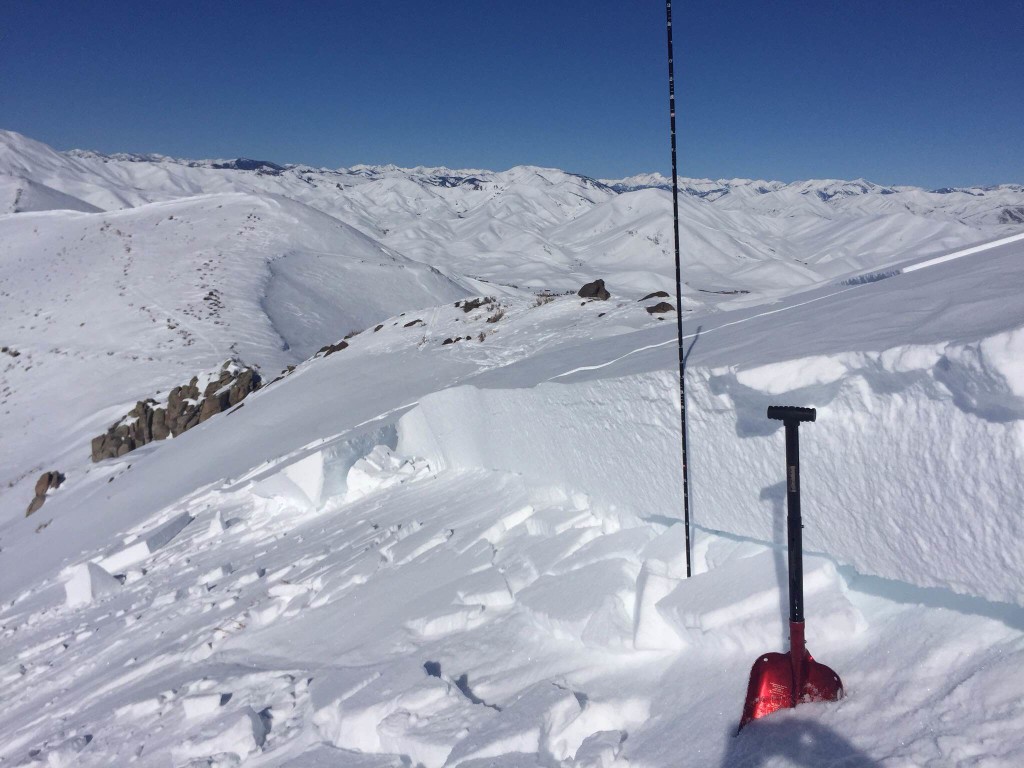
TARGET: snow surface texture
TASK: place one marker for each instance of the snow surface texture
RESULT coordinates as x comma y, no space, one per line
416,553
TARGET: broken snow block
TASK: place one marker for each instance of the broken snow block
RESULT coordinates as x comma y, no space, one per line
308,475
741,605
146,544
600,750
381,469
201,704
651,631
665,555
576,605
520,730
217,526
299,484
66,753
87,582
239,734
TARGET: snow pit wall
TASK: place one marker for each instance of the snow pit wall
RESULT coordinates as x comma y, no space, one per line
617,440
901,477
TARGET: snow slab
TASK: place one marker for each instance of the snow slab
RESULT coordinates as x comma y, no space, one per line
87,582
298,484
146,544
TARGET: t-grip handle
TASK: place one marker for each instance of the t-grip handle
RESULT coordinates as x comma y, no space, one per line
791,413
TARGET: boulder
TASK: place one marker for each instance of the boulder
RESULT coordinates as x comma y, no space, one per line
330,349
594,290
660,308
48,481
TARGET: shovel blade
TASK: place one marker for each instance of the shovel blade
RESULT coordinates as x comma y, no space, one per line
821,683
772,685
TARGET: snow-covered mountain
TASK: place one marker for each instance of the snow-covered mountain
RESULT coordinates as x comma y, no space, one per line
454,540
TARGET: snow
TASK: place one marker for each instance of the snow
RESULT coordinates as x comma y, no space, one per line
470,554
87,582
141,547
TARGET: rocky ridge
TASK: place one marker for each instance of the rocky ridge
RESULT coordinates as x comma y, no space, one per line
186,406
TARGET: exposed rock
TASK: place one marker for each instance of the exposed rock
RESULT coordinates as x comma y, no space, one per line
48,481
594,290
655,295
468,305
378,327
411,323
186,406
330,349
660,308
10,351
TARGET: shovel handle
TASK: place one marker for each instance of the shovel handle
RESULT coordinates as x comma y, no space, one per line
791,413
792,416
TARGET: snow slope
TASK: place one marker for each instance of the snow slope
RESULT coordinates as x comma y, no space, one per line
413,552
108,308
469,552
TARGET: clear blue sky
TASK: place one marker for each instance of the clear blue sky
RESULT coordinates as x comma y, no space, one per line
922,92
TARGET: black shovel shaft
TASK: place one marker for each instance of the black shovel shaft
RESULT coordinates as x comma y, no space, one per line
792,416
794,523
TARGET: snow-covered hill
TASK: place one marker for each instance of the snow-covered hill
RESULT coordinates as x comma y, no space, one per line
526,226
110,308
455,542
999,205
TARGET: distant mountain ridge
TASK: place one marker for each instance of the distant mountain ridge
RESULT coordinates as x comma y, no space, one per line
825,188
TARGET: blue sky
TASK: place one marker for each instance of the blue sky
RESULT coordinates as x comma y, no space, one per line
901,91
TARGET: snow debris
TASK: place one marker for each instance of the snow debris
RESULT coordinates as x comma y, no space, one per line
381,469
146,544
87,582
471,554
237,734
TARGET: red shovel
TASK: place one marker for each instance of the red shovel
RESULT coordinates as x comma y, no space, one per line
780,680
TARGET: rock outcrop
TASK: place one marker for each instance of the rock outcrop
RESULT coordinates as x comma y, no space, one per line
660,308
330,349
48,481
655,295
186,406
594,290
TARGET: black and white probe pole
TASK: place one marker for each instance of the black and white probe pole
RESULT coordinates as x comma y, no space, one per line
679,280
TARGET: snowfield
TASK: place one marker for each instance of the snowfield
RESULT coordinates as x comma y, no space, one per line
456,541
